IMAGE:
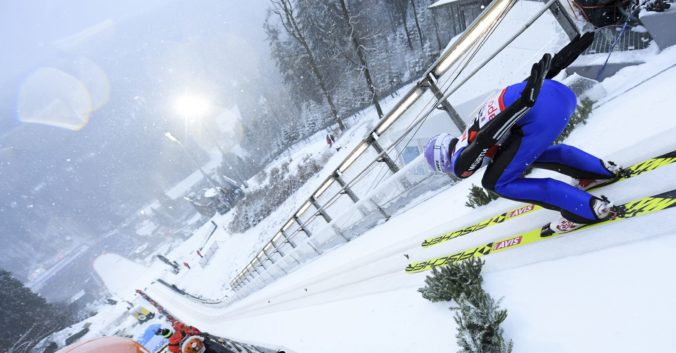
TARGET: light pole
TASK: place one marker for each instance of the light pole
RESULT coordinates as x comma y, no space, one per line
193,106
173,138
239,179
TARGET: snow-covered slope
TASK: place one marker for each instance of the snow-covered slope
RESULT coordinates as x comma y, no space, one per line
605,289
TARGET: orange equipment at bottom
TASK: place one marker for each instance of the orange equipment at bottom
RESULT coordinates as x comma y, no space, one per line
110,344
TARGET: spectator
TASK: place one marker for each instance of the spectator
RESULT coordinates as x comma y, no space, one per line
177,335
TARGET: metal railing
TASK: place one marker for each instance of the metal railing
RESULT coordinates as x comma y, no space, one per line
380,176
630,40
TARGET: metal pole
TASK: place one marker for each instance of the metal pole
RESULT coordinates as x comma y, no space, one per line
307,233
268,256
302,227
286,237
277,248
565,21
373,141
431,82
499,50
349,192
321,211
382,211
346,188
211,181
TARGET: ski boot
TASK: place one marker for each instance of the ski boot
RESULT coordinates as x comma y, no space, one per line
603,209
618,173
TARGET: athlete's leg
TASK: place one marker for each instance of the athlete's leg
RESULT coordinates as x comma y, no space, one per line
529,139
573,162
573,203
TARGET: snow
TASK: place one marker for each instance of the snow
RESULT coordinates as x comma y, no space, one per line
240,248
122,276
655,13
632,56
600,290
211,192
184,186
605,289
106,321
146,228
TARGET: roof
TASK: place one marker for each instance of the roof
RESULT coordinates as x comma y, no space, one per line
184,186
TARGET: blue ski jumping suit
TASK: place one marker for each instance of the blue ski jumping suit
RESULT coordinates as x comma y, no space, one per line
530,144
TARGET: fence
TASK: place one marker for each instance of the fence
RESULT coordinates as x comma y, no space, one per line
631,39
385,172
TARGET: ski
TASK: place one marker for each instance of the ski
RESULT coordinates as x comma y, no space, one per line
638,207
634,170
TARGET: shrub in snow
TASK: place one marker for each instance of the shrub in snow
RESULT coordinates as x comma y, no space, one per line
584,108
452,281
478,196
261,176
477,315
260,203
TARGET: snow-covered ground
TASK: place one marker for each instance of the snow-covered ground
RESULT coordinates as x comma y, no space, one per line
605,289
238,249
235,250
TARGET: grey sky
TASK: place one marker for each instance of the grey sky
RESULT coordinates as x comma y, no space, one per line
134,57
28,28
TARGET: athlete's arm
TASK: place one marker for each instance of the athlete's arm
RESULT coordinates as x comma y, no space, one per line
481,140
569,53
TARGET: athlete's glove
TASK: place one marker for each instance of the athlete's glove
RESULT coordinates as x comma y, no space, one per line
534,82
569,53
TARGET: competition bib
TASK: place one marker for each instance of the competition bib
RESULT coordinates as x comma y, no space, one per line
490,108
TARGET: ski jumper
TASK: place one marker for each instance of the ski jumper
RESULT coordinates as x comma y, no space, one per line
527,142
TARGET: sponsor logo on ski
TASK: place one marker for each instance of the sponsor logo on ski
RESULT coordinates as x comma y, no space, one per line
507,243
520,211
648,205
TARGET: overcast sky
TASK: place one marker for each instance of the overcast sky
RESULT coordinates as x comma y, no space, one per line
101,78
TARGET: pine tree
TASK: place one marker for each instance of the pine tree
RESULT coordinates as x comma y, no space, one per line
479,197
287,13
584,108
452,281
26,317
477,315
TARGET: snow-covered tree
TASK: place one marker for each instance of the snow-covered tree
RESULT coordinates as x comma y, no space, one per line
477,315
478,196
288,17
26,317
453,281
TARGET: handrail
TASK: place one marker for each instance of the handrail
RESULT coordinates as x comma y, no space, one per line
370,146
